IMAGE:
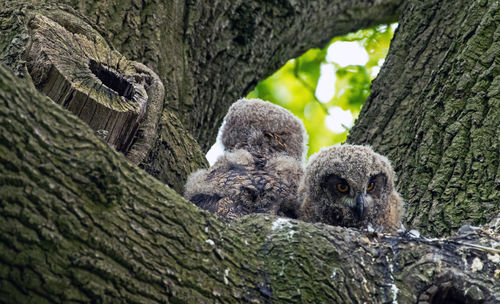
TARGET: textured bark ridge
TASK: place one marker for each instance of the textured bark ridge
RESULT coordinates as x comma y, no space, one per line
435,111
173,156
79,223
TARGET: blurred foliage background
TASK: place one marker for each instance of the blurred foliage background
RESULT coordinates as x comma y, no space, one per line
327,87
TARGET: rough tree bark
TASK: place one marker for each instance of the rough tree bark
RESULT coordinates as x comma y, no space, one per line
79,223
58,50
435,111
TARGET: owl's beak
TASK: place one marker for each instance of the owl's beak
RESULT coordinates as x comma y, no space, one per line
359,208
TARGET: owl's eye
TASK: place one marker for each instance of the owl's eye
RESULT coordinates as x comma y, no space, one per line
342,187
370,187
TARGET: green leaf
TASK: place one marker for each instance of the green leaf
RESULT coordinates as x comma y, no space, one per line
294,85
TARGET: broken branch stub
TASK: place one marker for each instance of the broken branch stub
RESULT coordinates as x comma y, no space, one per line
73,65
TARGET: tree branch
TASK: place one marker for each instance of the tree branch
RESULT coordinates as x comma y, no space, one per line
80,223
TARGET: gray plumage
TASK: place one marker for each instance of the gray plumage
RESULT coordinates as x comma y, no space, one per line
351,186
263,129
261,168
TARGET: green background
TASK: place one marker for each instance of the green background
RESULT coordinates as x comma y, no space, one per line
294,85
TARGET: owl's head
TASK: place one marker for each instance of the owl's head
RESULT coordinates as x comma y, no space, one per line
263,129
350,185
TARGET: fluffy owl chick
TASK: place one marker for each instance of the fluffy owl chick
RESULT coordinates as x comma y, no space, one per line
237,185
263,129
261,168
351,186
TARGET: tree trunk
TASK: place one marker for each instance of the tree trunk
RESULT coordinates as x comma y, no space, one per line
79,222
435,111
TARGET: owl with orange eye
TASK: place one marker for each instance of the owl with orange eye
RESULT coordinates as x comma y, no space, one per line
351,186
